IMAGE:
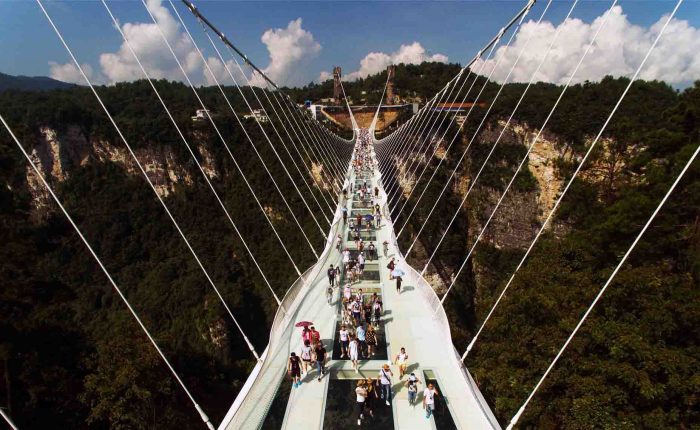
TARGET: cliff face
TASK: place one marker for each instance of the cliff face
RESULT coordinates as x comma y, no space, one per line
57,154
522,210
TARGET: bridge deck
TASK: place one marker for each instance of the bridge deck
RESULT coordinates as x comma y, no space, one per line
409,321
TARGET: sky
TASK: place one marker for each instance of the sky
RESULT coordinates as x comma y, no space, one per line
296,42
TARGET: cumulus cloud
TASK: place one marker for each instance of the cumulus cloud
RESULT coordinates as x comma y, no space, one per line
68,72
289,49
148,44
375,62
618,50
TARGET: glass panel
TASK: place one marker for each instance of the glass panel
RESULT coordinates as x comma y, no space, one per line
275,415
442,415
341,408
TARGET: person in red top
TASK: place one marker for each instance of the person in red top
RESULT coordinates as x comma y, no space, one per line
314,336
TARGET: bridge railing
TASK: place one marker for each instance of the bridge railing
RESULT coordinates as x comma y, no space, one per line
433,302
263,383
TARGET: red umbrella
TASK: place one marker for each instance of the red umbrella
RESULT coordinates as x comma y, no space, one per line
303,324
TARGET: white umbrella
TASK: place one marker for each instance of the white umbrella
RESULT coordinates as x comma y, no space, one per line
397,272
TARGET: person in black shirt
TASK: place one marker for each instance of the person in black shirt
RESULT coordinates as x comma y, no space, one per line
331,276
321,355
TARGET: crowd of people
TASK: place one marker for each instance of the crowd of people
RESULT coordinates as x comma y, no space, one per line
360,312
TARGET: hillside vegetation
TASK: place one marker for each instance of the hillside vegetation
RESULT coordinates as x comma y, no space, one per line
72,356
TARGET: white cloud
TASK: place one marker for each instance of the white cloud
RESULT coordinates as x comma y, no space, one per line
68,72
149,46
375,62
289,49
617,51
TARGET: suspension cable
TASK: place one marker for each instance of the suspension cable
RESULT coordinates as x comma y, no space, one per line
411,139
150,183
690,161
310,153
476,100
223,141
7,418
425,137
184,140
422,129
478,129
43,180
286,148
566,188
250,108
500,200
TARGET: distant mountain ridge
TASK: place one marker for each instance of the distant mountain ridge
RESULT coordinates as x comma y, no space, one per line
31,83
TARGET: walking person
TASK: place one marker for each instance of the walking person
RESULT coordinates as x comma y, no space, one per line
429,400
391,266
344,339
315,336
329,295
371,340
372,396
355,308
378,217
346,258
376,192
361,397
347,293
294,369
412,386
399,280
386,248
362,339
354,353
402,361
345,215
320,355
376,311
372,251
331,275
361,264
306,356
385,375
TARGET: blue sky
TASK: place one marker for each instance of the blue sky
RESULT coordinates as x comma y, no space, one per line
346,31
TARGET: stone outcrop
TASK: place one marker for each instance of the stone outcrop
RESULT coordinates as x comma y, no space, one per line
58,154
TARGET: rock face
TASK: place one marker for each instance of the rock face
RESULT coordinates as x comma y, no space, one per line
57,154
521,213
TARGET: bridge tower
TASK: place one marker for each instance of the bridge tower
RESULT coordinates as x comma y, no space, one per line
390,95
337,89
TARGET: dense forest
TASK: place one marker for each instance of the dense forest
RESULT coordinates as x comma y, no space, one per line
72,356
62,327
635,363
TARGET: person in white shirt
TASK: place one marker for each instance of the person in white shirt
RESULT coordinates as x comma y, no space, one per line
412,385
402,361
385,375
354,352
347,293
344,338
429,400
361,393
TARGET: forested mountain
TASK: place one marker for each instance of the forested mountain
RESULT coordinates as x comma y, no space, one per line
72,357
636,360
31,83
